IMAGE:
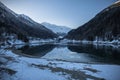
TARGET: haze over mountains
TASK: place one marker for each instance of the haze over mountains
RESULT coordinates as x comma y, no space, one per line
105,26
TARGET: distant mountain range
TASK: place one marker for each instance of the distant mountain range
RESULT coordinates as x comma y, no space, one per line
105,26
21,25
57,29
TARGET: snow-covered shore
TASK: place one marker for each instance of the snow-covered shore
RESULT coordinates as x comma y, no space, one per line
114,42
18,67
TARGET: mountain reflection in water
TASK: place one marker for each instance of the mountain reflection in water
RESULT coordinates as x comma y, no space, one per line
37,51
75,52
99,53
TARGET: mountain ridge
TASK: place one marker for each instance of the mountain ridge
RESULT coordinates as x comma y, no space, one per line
104,26
12,23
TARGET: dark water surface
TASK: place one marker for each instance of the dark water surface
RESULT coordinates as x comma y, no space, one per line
86,53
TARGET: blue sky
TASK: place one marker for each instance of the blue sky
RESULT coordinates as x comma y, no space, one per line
71,13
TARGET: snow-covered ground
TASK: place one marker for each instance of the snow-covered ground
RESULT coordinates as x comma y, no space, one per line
16,67
112,43
41,41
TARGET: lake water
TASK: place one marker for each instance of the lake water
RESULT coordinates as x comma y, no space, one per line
58,61
85,53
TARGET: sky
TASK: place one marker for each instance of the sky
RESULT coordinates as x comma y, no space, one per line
71,13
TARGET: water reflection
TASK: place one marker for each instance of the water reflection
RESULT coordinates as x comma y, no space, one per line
99,53
37,51
75,52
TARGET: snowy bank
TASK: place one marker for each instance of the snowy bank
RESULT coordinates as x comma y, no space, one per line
43,69
114,42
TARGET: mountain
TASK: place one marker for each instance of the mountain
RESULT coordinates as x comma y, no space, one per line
21,26
104,26
57,29
35,29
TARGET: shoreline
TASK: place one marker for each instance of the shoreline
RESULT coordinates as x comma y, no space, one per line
115,44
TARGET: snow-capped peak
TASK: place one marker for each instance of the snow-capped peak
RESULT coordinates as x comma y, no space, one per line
56,28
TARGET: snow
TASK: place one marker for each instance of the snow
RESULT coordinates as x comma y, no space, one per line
117,1
26,69
56,28
12,42
28,74
69,41
35,42
110,72
113,43
16,42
